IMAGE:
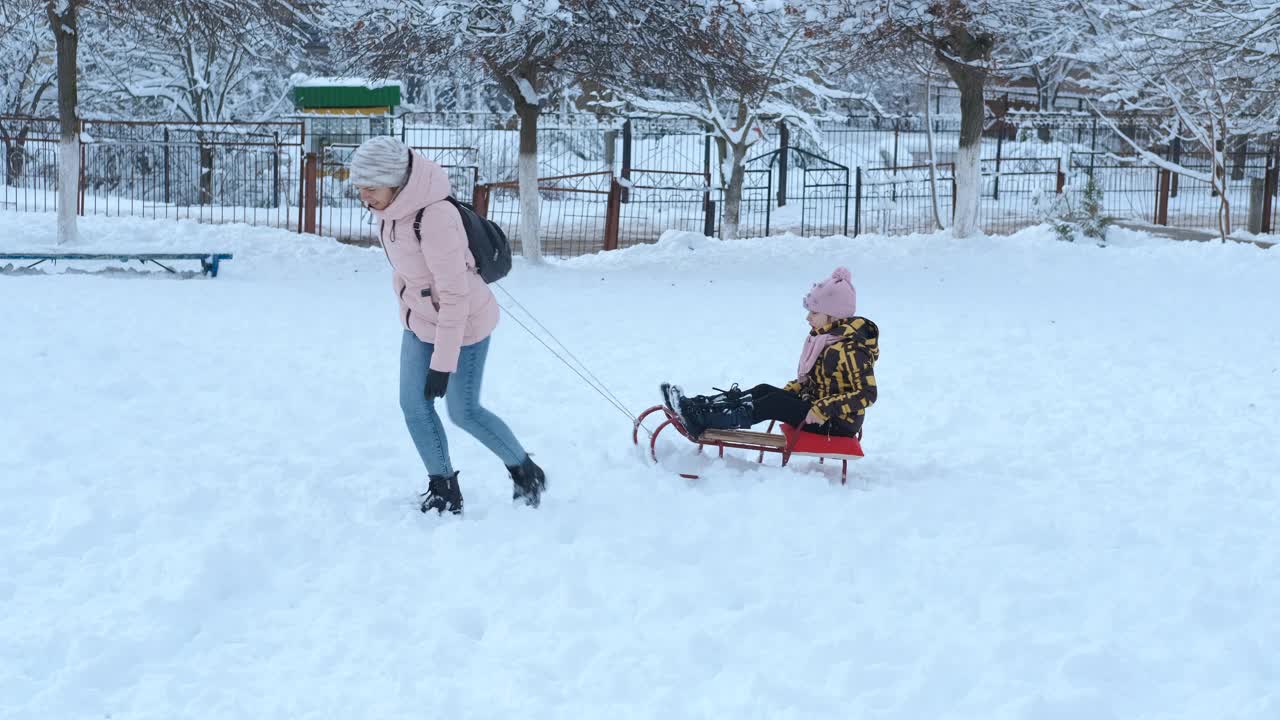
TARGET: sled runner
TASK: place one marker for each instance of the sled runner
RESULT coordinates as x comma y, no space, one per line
790,443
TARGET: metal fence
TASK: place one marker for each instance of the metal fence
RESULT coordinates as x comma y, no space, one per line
617,183
219,172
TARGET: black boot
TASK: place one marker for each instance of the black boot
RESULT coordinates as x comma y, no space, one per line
442,495
729,410
527,482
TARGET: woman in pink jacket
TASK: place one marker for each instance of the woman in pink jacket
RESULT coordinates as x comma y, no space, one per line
447,311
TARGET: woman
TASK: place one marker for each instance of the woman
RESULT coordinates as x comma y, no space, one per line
835,378
447,311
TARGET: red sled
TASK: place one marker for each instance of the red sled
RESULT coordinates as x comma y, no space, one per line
790,443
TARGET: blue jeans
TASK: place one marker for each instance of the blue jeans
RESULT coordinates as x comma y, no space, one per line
462,400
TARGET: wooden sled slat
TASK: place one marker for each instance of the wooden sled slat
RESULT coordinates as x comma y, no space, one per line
744,437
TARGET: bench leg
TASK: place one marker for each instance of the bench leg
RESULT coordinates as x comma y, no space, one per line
144,261
844,472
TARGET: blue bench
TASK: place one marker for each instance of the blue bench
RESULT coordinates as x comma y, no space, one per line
208,261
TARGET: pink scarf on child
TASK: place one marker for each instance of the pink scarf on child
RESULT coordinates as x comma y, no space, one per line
814,345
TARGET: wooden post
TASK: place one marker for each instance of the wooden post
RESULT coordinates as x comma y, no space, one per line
309,194
1268,201
1257,198
1163,182
480,200
612,215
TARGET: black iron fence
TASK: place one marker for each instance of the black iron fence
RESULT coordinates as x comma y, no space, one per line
609,184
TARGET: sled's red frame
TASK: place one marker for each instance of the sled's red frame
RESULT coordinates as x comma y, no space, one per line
790,443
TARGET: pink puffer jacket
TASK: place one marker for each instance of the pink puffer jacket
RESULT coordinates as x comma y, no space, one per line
443,300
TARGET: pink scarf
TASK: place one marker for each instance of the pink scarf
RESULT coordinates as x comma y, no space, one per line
814,345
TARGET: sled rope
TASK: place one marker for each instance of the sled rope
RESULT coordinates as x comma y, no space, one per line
589,378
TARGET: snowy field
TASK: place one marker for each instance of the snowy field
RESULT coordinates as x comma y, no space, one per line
1067,511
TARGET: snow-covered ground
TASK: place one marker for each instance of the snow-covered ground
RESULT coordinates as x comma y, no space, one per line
1068,508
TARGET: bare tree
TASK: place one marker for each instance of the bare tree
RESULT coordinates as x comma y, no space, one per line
740,66
27,77
534,51
197,61
66,18
1205,71
972,40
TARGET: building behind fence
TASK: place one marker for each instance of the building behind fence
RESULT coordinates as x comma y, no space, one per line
608,185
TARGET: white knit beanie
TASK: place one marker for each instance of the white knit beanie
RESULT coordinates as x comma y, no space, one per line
380,161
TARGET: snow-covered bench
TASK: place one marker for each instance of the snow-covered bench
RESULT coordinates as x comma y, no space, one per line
208,261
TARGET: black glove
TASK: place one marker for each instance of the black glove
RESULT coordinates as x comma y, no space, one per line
437,383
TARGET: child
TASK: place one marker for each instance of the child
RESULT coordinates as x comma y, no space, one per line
834,385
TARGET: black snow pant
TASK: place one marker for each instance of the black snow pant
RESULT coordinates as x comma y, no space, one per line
773,403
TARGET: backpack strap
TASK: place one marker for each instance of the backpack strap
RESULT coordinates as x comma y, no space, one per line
417,225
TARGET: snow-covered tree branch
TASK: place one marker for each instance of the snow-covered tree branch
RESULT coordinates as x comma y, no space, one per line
1205,72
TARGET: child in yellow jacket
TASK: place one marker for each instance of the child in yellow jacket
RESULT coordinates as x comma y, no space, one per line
835,381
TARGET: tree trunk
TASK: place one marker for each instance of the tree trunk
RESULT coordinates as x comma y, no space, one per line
933,157
62,19
521,86
733,157
530,199
961,52
968,173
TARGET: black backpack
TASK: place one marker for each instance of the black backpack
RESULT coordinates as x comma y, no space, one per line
489,245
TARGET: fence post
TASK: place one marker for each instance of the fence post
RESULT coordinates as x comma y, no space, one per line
1062,178
999,149
83,175
846,201
784,142
626,156
612,215
953,194
1175,157
1093,146
1163,182
857,202
611,151
167,201
1268,203
896,130
1257,198
480,200
275,172
309,196
768,206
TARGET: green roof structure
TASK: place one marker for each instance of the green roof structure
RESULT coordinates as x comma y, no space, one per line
346,94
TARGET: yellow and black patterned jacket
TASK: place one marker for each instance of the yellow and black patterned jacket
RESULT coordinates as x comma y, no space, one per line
842,383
